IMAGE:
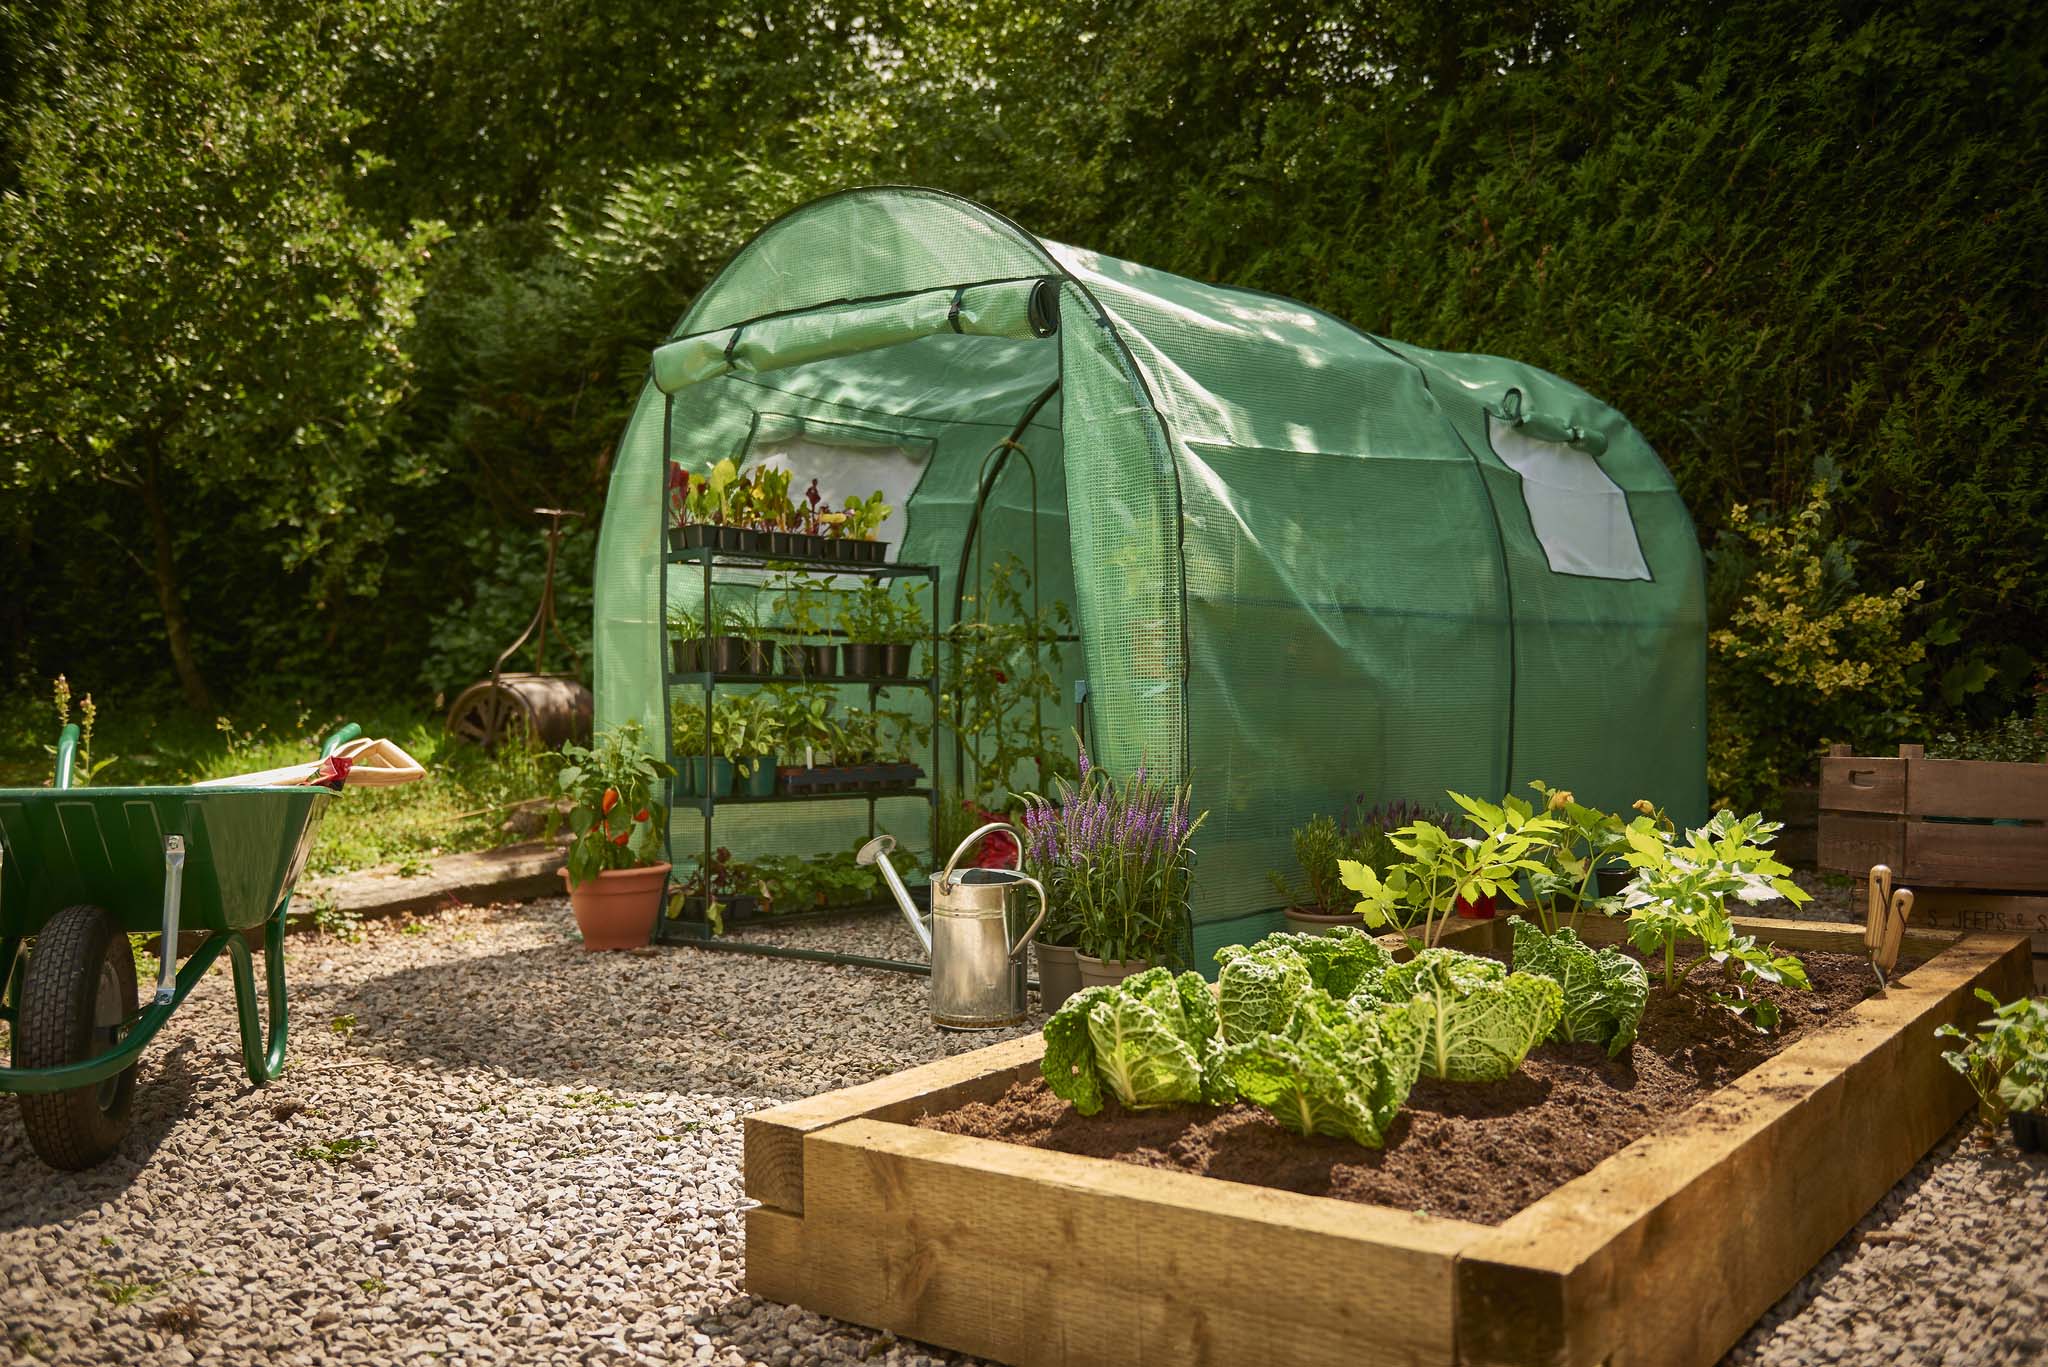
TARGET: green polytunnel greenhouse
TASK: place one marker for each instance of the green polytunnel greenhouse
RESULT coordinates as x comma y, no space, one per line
1305,563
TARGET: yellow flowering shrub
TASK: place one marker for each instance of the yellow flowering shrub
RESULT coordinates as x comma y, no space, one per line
1804,659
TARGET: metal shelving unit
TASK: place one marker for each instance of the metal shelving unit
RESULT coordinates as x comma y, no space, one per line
708,561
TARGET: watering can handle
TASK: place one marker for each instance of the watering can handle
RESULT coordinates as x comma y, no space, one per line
978,834
1024,940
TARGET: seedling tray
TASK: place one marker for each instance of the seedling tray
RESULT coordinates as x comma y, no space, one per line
850,778
1662,1255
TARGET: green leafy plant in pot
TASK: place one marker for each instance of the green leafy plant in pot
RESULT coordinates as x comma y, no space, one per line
2006,1064
616,869
902,628
686,639
866,619
1116,858
747,731
861,520
802,604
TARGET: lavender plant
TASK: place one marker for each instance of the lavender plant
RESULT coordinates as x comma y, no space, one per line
1115,859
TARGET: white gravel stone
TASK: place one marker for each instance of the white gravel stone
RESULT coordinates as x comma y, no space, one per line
550,1173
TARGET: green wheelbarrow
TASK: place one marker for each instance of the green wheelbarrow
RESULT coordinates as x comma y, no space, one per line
80,870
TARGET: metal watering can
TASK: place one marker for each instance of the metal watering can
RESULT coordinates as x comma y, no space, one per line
977,970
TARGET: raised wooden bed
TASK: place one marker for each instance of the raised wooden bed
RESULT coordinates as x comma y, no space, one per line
1664,1254
1969,837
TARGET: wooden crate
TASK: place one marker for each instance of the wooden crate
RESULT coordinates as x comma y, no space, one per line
1663,1254
1924,818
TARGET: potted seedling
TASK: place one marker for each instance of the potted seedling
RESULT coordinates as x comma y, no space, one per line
2007,1066
686,639
705,772
904,628
748,741
685,532
686,741
1321,902
615,869
808,539
810,735
864,519
802,605
712,504
772,509
866,620
746,649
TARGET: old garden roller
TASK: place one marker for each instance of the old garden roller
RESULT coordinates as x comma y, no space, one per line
978,980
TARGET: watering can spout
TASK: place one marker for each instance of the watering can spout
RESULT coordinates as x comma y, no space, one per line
876,852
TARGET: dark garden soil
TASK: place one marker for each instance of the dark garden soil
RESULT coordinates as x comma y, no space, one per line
1471,1151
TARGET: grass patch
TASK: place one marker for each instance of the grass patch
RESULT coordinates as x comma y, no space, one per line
597,1101
458,807
128,1293
335,1150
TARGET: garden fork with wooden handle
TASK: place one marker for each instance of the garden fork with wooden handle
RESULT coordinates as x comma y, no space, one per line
1884,922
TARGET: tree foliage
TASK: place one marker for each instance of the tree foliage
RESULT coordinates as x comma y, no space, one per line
1791,242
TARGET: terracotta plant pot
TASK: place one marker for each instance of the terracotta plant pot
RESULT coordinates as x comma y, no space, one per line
616,909
1304,922
1059,975
1107,972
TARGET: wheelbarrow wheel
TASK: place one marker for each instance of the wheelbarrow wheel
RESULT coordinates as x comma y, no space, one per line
77,993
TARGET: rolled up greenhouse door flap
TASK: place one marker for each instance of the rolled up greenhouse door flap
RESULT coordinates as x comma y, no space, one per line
1002,308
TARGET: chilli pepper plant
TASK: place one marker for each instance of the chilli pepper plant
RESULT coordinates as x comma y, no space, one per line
1115,859
617,821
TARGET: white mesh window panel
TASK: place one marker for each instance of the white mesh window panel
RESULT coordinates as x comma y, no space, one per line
1580,516
843,469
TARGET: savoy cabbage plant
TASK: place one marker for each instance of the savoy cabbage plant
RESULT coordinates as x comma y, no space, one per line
1339,1068
1474,1021
1151,1040
1605,990
1260,982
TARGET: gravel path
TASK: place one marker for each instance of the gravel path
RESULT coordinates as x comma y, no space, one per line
492,1147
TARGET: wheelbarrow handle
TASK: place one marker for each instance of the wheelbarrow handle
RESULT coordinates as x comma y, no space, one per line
348,732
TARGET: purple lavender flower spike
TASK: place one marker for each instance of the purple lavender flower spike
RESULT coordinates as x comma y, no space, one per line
1087,765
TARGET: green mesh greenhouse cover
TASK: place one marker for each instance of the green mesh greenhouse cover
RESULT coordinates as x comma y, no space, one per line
1306,563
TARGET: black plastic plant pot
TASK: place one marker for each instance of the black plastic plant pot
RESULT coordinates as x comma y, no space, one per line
757,657
728,654
689,655
793,660
838,548
896,660
874,552
751,541
2029,1130
685,538
781,543
821,662
863,659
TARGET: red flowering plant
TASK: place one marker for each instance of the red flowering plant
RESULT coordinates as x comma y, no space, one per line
614,815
